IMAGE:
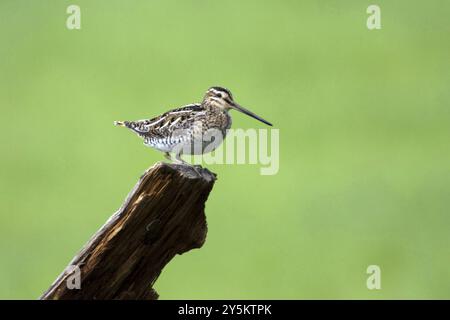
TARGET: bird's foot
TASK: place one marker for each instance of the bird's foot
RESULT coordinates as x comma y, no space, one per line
198,169
179,161
167,156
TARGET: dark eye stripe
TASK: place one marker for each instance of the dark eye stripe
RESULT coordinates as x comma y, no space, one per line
220,89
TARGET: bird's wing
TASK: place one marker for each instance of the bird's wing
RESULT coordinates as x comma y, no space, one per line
173,122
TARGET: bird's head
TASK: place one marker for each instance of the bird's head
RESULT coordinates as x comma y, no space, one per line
218,97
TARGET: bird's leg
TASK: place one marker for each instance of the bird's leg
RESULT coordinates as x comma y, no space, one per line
167,156
196,168
179,160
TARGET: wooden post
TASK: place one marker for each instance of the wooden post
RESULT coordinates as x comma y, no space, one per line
161,217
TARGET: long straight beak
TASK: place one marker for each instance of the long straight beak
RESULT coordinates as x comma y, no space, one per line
237,107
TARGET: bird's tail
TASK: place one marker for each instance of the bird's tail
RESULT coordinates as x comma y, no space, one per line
120,123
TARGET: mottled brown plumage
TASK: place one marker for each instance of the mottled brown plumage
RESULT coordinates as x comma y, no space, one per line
188,129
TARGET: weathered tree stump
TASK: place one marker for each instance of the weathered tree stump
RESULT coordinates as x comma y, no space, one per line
161,217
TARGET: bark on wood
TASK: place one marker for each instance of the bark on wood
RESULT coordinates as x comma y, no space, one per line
161,217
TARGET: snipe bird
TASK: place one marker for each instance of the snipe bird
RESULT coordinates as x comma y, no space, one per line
177,130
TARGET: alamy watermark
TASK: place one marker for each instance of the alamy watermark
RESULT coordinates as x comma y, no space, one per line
373,282
73,21
73,280
374,19
252,146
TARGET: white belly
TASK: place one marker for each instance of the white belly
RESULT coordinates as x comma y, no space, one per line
205,144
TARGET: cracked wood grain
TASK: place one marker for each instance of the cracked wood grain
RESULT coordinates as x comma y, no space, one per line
162,216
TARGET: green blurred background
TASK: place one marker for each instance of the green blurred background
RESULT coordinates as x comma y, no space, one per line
364,135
